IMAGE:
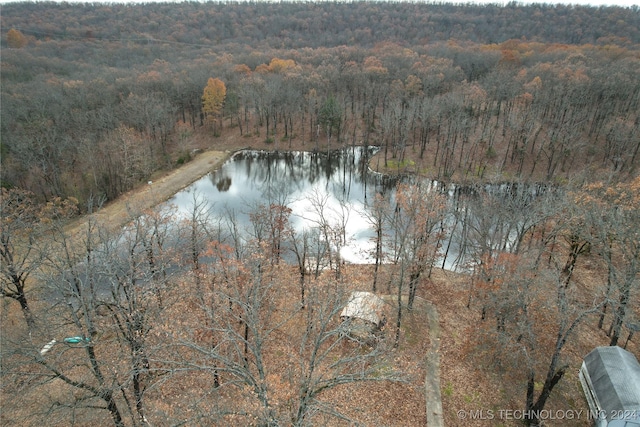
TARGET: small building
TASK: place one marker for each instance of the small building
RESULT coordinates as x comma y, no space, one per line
610,378
364,315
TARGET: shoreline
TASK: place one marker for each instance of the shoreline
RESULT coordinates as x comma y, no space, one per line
119,211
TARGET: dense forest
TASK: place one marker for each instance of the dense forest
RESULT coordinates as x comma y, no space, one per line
540,86
188,321
322,24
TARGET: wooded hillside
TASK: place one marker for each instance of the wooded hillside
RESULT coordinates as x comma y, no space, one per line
323,24
192,320
96,97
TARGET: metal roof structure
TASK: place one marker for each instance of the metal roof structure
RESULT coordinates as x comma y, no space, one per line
364,305
610,377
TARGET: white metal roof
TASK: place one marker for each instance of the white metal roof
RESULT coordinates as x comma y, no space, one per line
364,305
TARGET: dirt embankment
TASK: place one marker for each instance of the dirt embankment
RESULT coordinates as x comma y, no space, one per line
213,152
118,212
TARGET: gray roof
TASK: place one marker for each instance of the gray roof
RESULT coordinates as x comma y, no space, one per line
615,377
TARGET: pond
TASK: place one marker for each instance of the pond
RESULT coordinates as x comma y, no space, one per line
337,183
340,187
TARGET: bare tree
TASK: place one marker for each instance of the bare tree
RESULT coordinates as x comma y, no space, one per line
129,271
377,214
300,247
330,222
537,314
326,357
101,294
414,223
536,318
24,223
274,360
614,220
73,277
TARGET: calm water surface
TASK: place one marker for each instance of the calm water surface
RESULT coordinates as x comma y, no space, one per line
338,183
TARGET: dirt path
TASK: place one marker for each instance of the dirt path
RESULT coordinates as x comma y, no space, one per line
433,395
118,212
432,380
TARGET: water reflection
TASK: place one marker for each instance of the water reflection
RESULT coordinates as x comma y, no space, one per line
223,184
339,183
337,187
